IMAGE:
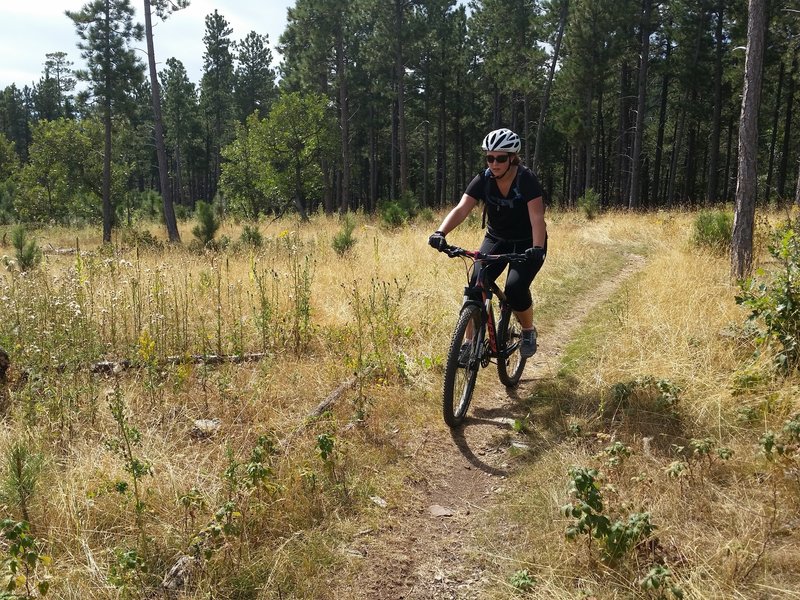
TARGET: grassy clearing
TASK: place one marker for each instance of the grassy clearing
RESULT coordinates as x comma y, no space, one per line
662,395
265,501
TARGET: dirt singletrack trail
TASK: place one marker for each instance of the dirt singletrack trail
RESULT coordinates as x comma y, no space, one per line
422,551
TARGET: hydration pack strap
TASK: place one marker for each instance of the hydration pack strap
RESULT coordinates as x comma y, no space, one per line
487,186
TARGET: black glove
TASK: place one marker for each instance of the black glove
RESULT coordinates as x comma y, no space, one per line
536,255
437,241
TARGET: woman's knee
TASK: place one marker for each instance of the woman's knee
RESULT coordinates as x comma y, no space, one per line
519,297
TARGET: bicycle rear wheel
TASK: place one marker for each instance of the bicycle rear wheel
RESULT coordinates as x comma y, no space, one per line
462,371
509,336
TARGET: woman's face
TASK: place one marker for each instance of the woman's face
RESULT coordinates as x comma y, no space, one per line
498,162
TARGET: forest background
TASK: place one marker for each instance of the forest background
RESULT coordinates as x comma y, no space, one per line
198,459
377,103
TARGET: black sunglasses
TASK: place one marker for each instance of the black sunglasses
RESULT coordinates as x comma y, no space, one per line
501,159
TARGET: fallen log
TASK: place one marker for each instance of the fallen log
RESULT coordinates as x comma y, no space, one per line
108,366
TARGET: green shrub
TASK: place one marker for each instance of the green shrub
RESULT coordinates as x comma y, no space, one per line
425,215
774,301
28,253
589,203
142,238
251,236
393,215
182,212
616,539
343,241
208,223
713,229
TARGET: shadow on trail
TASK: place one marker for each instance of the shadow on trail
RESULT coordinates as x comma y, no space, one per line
554,411
551,411
460,440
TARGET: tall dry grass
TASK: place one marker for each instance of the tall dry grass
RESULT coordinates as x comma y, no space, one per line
383,311
726,516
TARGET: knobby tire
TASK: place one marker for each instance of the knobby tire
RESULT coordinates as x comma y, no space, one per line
459,381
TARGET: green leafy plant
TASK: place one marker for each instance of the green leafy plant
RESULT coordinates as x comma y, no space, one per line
783,445
127,571
667,393
617,538
659,580
774,300
20,575
522,581
127,439
617,453
332,461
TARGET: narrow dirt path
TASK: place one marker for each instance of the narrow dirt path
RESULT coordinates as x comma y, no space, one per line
421,554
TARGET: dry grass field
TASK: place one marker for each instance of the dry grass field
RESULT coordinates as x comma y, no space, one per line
168,476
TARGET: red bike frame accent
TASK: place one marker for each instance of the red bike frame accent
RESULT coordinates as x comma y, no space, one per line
486,296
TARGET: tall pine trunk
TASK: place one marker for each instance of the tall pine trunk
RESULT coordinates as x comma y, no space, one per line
400,70
641,106
562,22
108,215
158,131
716,120
108,209
787,130
744,216
662,123
344,121
774,136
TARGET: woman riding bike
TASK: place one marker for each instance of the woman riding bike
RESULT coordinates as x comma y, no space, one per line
512,202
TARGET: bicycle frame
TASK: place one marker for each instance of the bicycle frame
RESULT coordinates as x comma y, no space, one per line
478,333
486,292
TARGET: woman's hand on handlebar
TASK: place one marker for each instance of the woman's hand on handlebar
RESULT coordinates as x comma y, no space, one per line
436,240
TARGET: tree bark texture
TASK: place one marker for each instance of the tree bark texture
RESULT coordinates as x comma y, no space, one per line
641,106
158,131
744,216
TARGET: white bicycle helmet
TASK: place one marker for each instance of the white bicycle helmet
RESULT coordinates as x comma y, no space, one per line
501,140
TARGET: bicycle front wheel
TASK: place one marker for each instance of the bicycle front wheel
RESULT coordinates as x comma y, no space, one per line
463,363
510,363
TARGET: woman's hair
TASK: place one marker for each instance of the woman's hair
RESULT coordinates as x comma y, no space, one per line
514,158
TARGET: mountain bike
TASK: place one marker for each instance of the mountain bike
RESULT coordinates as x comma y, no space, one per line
477,339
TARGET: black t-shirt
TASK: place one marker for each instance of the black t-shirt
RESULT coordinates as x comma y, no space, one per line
507,215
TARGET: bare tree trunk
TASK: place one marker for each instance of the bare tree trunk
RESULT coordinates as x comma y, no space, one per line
774,136
108,217
744,216
546,96
662,122
787,130
716,120
158,131
797,189
401,109
641,106
344,121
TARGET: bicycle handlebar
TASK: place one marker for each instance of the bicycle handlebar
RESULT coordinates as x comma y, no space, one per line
455,251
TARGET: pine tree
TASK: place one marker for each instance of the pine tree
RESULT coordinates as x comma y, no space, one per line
106,29
254,79
216,94
163,9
